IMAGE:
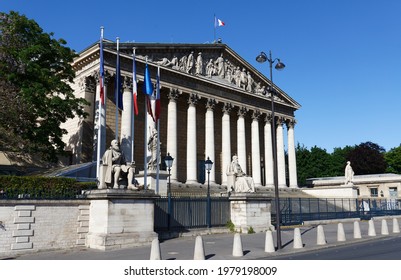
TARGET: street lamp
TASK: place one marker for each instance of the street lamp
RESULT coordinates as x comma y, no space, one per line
208,166
169,163
261,58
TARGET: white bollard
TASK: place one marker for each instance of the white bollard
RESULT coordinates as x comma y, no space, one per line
269,244
357,230
396,227
371,230
340,232
155,250
237,246
384,227
321,239
199,252
298,244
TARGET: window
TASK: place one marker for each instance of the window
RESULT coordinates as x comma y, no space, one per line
373,192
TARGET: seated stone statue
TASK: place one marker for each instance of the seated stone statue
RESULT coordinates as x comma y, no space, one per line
115,167
240,181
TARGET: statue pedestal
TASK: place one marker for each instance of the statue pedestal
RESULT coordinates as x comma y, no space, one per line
151,181
120,219
250,210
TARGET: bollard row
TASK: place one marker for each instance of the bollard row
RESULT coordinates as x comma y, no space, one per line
199,251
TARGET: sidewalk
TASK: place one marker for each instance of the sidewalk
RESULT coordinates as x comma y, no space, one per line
220,246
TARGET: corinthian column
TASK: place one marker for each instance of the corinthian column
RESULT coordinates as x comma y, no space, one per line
209,136
292,163
241,138
225,141
172,130
255,149
191,140
269,169
126,121
280,154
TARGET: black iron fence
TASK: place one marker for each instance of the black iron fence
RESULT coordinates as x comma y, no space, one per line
185,213
299,210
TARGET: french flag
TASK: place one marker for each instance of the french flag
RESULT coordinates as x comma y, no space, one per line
218,22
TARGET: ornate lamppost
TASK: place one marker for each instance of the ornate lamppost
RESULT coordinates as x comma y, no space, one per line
208,166
261,58
169,163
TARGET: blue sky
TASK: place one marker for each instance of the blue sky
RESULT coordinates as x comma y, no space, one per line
342,56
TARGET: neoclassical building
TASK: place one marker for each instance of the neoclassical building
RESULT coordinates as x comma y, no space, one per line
213,104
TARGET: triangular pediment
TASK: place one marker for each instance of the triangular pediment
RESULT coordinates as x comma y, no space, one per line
216,63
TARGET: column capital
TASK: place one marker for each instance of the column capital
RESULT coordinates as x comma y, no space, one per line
173,94
127,83
193,99
268,118
255,115
280,121
227,107
291,123
242,111
211,103
87,83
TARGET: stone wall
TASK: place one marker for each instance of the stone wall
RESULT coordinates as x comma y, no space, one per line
30,226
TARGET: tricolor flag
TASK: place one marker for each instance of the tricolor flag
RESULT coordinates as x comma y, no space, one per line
118,92
218,22
101,80
147,84
148,90
157,105
134,85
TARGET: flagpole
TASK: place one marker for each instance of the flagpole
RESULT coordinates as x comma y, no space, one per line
99,129
158,133
214,38
117,85
145,167
134,89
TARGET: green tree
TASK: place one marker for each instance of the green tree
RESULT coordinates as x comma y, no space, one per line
302,155
35,92
339,158
393,160
368,158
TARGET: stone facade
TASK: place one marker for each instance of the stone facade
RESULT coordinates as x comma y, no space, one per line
216,107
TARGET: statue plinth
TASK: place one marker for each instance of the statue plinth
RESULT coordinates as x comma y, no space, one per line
120,218
251,210
155,183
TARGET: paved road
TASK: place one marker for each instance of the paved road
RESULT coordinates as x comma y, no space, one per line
220,247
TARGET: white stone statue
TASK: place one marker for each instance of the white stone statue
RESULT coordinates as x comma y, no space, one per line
115,167
240,181
349,174
152,147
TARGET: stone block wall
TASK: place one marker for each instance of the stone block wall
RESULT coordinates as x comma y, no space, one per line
29,226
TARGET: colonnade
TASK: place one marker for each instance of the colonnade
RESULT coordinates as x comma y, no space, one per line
258,118
226,136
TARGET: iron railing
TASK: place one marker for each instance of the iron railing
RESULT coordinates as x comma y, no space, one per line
190,213
299,210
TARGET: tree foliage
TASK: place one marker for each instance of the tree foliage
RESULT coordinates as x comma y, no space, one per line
35,92
368,158
393,160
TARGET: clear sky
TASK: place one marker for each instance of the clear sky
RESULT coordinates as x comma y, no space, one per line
342,56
